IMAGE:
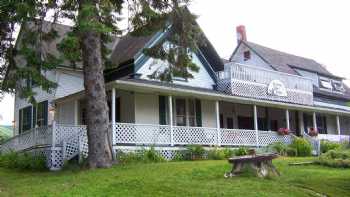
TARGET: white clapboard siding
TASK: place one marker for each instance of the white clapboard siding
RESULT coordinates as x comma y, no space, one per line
201,78
69,82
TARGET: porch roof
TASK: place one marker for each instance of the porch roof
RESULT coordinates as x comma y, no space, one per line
142,85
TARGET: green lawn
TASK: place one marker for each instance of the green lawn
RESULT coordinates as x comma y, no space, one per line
199,178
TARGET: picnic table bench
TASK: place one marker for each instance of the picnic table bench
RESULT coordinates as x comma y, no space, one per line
261,164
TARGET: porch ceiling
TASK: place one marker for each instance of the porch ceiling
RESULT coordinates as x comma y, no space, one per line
145,86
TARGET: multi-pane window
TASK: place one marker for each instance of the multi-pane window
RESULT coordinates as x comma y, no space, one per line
25,117
325,83
30,117
41,114
187,112
180,112
246,55
338,86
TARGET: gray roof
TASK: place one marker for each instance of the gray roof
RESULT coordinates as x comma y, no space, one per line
285,62
128,47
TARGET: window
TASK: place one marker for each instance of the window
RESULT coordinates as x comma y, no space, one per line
338,86
246,55
41,114
30,117
325,83
191,113
180,112
188,112
229,121
25,119
163,110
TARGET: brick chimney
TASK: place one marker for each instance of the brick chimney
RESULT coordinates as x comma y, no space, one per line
241,33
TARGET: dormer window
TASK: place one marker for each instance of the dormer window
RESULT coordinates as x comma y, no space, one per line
246,55
325,83
338,86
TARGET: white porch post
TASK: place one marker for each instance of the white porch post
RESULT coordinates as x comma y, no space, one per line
338,125
113,123
301,123
256,124
314,120
287,119
217,112
76,112
170,106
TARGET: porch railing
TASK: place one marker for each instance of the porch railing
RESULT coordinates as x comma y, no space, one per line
41,136
73,139
148,134
252,81
334,137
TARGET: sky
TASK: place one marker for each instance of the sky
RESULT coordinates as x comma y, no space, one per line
316,29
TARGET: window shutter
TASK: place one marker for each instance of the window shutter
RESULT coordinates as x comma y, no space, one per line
117,110
198,113
34,116
162,110
46,103
20,121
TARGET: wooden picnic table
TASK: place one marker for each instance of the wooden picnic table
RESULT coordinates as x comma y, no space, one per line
262,164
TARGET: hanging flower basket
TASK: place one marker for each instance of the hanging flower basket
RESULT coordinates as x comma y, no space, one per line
283,131
313,132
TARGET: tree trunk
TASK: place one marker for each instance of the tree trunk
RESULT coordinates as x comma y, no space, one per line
100,155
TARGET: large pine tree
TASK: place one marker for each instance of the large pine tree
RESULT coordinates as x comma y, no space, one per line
95,22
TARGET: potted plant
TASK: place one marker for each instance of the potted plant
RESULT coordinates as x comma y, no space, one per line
283,131
313,132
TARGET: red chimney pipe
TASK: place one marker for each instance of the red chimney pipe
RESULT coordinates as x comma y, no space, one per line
241,33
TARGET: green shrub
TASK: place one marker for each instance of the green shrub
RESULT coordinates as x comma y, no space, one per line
146,156
151,155
302,146
291,152
327,145
129,157
194,152
228,152
179,156
216,154
241,151
24,161
335,158
279,147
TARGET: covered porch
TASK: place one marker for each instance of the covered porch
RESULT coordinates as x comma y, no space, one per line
170,117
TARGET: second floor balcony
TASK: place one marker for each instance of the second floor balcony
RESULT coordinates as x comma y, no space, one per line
256,82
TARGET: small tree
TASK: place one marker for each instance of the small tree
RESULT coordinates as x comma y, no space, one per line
95,21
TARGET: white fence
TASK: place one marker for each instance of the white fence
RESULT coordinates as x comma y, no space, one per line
63,142
252,81
333,137
148,134
35,137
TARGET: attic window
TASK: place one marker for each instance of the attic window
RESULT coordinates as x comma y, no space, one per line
338,86
246,55
325,83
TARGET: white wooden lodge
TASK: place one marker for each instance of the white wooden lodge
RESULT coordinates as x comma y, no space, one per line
242,101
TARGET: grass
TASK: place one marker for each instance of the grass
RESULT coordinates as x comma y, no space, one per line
197,178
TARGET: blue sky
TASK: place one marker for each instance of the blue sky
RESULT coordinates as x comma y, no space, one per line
316,29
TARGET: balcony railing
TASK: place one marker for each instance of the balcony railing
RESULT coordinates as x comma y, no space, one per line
253,81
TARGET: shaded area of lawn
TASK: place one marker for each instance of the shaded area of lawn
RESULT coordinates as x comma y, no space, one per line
200,178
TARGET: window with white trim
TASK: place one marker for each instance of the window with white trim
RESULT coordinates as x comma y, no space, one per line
187,112
325,83
338,86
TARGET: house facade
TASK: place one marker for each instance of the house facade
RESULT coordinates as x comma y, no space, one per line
242,101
